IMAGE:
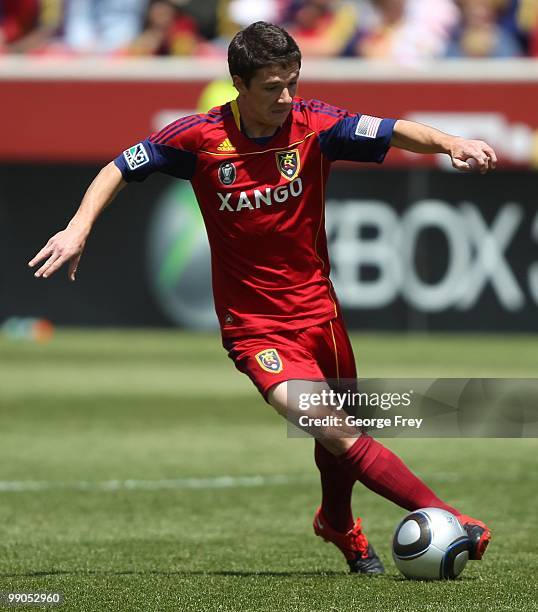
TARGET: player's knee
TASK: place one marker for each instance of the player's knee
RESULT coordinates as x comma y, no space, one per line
287,401
278,397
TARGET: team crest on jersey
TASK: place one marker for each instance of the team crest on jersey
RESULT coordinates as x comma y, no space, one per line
136,156
227,173
269,360
288,163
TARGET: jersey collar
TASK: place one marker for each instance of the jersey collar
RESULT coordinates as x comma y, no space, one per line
252,142
236,114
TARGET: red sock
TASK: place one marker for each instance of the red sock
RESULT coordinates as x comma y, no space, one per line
383,472
336,485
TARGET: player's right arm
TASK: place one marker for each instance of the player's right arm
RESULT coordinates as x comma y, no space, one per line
68,245
168,151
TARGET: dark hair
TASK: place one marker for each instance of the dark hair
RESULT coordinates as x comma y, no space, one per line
259,45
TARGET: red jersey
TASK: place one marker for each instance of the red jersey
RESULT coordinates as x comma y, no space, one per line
262,201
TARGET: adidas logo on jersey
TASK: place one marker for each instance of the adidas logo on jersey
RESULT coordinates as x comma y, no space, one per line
226,146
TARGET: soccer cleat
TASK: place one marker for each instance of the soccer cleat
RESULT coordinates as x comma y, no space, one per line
360,555
479,536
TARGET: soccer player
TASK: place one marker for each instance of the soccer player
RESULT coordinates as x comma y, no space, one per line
258,166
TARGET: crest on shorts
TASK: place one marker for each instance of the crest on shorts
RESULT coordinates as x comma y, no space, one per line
227,173
269,360
288,163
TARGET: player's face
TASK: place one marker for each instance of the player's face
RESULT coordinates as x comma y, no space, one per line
267,100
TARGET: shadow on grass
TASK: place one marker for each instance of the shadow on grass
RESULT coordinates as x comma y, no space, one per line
245,574
225,573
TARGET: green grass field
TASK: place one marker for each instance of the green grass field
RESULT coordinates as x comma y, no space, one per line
140,471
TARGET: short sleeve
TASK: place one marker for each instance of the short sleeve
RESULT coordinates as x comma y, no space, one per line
144,158
361,138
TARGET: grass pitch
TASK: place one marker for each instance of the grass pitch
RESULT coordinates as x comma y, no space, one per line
140,471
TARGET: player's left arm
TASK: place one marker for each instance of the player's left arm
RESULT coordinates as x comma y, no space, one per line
421,138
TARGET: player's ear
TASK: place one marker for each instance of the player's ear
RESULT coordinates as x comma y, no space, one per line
239,84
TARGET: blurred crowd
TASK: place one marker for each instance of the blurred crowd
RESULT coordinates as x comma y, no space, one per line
395,30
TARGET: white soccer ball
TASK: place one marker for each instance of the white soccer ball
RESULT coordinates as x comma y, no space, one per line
430,544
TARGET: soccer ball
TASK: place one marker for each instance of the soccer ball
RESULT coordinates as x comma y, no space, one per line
430,544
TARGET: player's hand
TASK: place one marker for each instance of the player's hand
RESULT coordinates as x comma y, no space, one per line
65,246
469,154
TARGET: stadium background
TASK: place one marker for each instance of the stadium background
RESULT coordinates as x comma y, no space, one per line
134,458
413,245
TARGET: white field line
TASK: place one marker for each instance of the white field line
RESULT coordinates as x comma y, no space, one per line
219,482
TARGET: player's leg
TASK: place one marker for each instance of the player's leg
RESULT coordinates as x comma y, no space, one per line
349,538
276,358
334,520
284,398
271,361
334,356
336,489
379,469
336,483
373,464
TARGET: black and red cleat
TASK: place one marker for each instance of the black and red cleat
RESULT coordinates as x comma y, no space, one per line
479,536
359,553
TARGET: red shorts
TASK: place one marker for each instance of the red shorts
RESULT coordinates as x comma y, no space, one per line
313,353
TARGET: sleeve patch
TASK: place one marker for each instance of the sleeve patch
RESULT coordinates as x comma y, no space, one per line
368,126
136,156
